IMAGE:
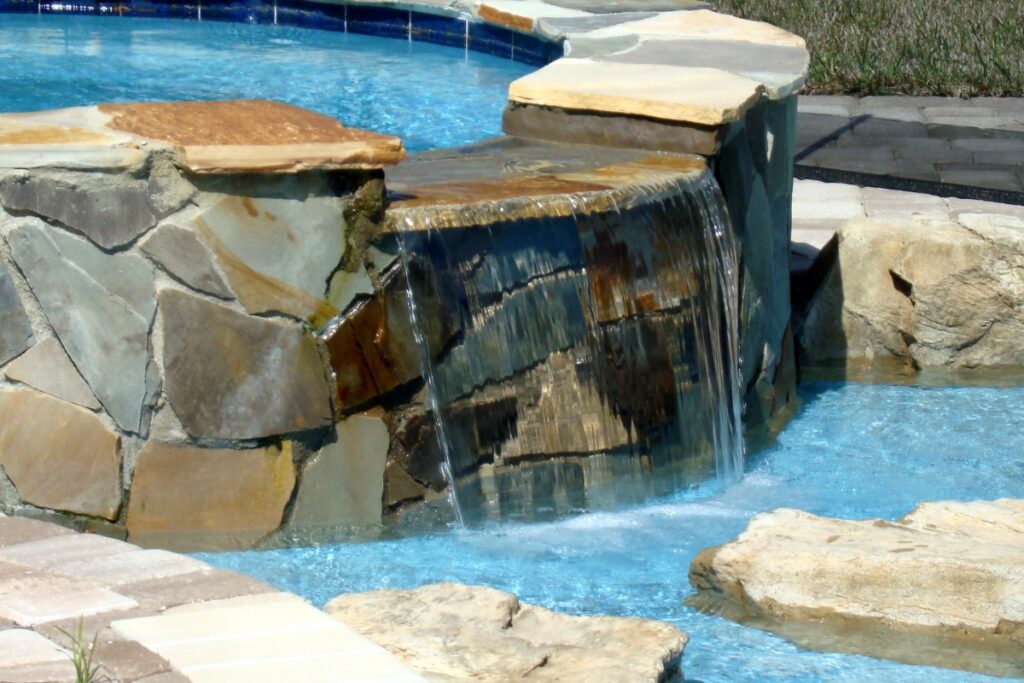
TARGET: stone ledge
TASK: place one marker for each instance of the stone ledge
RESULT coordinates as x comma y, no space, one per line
234,136
707,97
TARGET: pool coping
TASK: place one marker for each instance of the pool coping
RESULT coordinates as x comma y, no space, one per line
648,66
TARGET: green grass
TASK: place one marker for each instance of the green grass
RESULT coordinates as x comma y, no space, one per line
916,47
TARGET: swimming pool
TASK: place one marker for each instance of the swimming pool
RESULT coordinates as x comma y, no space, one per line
853,451
430,95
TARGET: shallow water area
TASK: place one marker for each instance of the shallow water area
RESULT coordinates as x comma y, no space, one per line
853,451
431,96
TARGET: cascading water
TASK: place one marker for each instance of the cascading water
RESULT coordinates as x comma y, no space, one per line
593,357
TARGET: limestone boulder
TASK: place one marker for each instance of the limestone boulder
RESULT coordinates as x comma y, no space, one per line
927,293
952,572
233,376
188,498
451,632
58,455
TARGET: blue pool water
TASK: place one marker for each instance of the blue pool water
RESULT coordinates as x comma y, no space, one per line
431,96
853,451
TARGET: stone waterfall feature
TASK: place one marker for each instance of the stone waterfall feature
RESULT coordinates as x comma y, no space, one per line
571,342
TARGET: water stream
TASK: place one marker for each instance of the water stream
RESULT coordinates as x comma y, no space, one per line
566,359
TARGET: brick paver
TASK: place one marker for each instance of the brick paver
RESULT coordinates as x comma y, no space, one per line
944,146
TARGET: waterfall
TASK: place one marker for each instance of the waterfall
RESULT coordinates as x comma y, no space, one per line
594,356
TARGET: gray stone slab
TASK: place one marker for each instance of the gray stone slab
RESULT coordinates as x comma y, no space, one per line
15,328
880,127
613,131
868,155
1009,158
180,252
46,367
829,105
343,484
110,211
97,305
990,145
975,175
233,376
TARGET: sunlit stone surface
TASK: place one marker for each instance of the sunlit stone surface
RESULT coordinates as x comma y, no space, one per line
451,632
950,571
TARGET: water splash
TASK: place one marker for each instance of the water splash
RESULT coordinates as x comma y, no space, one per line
597,355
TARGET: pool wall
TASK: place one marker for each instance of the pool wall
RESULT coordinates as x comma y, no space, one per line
179,304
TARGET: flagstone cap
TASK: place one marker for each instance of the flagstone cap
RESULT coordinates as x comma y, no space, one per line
701,96
213,137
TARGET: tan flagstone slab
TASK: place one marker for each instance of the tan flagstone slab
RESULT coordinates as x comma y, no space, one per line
59,455
272,638
702,23
68,138
254,135
521,15
46,367
703,96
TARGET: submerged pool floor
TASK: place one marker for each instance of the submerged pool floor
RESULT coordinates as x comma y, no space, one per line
854,451
430,95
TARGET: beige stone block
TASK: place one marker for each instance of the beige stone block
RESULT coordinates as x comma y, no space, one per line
40,599
189,497
343,484
278,637
16,530
59,550
58,455
702,96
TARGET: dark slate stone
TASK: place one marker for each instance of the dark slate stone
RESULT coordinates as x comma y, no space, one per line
110,213
100,306
229,375
15,329
183,255
576,127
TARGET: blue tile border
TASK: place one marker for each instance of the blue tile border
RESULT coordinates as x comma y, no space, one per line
366,19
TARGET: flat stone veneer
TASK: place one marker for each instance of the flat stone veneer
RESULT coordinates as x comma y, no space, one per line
200,325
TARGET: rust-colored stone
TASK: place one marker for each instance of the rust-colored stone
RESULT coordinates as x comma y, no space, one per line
442,194
255,135
496,16
184,497
50,135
